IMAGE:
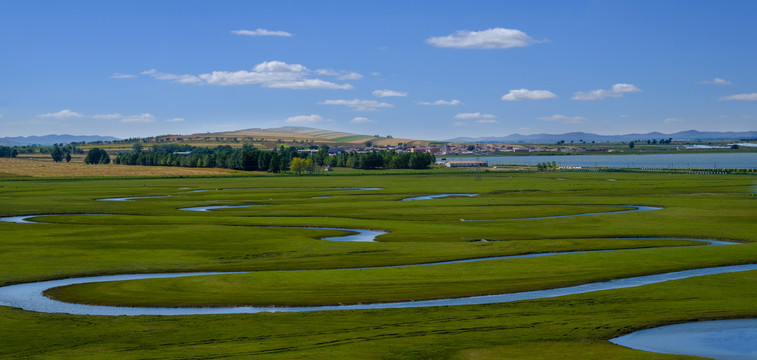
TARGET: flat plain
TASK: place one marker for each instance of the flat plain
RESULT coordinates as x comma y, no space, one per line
271,239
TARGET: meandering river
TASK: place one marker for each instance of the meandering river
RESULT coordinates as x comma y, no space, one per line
720,340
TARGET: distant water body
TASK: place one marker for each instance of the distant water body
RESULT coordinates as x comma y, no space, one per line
665,161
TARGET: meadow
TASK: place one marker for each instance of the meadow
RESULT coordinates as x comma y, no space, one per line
88,236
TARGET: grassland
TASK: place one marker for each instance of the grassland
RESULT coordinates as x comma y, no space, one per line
152,235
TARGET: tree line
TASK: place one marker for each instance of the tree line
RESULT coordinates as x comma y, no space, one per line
280,159
14,151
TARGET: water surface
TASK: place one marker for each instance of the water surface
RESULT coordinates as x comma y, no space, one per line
723,339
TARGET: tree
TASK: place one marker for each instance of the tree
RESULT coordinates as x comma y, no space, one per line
57,154
136,147
300,165
631,144
68,157
97,156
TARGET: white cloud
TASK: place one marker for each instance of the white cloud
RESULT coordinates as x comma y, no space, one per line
141,118
182,79
525,94
356,104
107,116
563,119
272,74
175,119
261,32
460,123
308,84
389,93
487,121
341,75
618,90
475,115
672,120
742,97
304,119
362,120
717,81
122,76
63,114
350,76
279,67
453,102
496,38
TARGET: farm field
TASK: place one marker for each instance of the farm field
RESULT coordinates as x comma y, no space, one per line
277,239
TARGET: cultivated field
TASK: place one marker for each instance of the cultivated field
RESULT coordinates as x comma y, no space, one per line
282,230
44,166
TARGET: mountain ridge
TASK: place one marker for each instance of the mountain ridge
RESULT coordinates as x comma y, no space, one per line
688,135
46,140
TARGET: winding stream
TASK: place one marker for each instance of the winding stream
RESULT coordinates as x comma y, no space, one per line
735,339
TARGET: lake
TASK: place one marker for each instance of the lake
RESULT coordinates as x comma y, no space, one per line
666,161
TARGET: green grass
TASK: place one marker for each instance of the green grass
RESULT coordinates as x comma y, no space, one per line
151,235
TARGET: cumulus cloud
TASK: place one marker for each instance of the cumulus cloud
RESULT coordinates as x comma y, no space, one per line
496,38
261,32
525,94
563,119
389,93
304,119
182,79
340,75
308,84
272,74
717,81
461,123
63,114
453,102
475,115
107,116
617,90
357,104
487,121
122,76
351,75
742,97
177,119
362,120
141,118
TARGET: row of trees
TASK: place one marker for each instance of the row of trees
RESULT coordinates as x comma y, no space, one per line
13,151
249,158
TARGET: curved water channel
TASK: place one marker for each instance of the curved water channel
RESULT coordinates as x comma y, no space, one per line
733,339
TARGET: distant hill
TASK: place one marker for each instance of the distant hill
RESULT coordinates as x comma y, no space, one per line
691,135
292,134
52,139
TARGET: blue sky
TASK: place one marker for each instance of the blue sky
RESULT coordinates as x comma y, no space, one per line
421,69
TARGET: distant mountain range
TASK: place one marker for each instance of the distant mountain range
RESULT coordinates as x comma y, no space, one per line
691,135
52,139
325,135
